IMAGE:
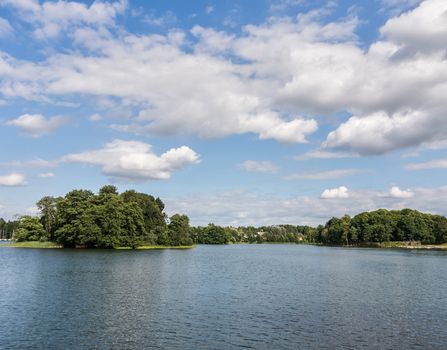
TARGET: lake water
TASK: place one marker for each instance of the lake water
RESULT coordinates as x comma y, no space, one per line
223,297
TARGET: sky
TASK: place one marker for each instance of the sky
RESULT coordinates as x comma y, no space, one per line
232,112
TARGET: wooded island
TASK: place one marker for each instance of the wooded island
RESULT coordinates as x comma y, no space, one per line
83,219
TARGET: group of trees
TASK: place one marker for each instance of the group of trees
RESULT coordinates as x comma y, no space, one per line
368,227
213,234
383,226
7,228
109,219
104,220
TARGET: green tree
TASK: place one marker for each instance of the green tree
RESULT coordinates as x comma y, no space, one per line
48,209
30,229
153,216
73,218
179,230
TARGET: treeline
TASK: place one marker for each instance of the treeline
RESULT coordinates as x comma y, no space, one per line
7,228
105,220
368,227
383,226
213,234
108,219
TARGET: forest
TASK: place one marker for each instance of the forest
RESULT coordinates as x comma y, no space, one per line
132,219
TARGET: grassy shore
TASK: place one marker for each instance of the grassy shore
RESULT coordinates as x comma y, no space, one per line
50,245
34,244
406,245
148,247
401,245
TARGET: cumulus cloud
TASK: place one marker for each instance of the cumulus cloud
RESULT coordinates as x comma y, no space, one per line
52,17
325,175
259,166
36,125
331,193
212,41
275,79
13,179
428,18
379,133
396,192
134,161
432,164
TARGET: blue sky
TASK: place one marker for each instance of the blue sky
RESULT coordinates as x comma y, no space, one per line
237,113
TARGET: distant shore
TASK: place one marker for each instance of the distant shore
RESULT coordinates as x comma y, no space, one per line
410,245
53,245
384,245
388,245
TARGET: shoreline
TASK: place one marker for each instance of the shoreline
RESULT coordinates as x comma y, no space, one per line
375,245
53,245
387,245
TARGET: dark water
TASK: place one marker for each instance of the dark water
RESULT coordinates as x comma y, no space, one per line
223,297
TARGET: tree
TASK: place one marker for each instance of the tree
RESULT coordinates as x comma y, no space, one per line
72,217
108,190
48,209
179,230
213,234
440,228
153,216
30,229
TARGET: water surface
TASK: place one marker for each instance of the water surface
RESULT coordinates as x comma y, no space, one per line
223,297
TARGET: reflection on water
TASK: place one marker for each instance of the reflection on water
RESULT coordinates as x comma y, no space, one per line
223,297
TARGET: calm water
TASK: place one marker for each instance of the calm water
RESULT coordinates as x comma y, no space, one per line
223,297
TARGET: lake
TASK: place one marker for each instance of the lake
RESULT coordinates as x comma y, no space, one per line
223,297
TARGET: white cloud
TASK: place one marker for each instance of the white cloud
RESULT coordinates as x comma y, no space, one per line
168,18
396,192
398,6
209,9
340,192
281,5
52,17
5,28
134,161
33,163
13,179
36,125
46,175
263,81
324,175
239,207
424,28
379,133
212,41
95,117
321,154
259,166
432,164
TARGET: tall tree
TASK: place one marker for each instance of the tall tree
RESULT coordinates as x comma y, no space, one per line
48,209
179,230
